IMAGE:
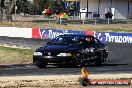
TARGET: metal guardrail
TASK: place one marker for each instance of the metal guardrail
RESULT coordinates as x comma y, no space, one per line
70,20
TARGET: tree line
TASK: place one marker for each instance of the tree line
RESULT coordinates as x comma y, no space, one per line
9,7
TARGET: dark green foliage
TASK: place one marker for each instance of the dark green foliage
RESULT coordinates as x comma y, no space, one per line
23,6
39,5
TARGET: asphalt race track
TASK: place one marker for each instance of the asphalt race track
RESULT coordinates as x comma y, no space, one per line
119,60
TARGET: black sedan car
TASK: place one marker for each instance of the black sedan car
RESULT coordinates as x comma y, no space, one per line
71,50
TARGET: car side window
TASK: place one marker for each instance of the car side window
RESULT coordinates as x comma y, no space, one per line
95,40
75,40
89,40
66,41
97,43
58,41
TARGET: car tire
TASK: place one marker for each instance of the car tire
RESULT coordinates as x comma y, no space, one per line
78,61
100,60
41,64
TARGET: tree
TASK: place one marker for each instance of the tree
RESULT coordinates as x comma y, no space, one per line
6,9
39,5
23,6
57,6
36,7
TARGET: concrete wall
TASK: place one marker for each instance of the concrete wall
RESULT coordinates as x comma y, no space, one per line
121,9
16,32
92,6
104,6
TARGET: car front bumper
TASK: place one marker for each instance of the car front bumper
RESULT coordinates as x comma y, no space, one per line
52,59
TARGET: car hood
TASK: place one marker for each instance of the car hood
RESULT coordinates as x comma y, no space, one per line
58,48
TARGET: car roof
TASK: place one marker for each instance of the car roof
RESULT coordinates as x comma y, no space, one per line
73,35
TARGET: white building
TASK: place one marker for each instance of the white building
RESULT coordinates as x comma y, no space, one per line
121,9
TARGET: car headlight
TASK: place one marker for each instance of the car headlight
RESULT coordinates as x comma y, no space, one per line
64,54
37,54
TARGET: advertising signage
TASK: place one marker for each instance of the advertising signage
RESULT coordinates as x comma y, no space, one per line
114,37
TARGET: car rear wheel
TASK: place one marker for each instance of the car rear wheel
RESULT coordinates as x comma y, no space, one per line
100,60
41,64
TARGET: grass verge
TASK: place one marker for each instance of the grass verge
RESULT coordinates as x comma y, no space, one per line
15,55
90,27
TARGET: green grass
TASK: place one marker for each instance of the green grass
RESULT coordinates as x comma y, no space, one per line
15,55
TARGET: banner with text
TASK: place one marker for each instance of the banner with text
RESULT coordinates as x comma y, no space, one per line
52,33
114,37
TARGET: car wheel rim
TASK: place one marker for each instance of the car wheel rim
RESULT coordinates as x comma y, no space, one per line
103,59
79,61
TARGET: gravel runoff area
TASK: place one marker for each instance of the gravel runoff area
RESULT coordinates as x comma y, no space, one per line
58,81
23,43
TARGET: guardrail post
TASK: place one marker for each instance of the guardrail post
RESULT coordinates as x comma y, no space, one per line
49,20
95,22
15,11
60,21
83,21
108,20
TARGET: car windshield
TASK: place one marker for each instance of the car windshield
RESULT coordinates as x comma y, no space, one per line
66,40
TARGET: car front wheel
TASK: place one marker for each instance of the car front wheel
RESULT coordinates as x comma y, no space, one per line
78,61
41,64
